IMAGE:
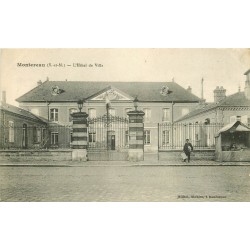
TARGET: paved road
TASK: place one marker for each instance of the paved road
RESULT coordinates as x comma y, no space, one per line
125,183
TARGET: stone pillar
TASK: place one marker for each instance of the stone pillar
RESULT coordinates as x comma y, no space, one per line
136,136
80,136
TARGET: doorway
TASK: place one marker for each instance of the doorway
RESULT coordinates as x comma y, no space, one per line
111,140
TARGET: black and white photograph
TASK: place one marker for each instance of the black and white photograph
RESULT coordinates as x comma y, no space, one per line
125,125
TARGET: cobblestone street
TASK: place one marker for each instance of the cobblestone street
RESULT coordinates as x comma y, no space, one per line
125,183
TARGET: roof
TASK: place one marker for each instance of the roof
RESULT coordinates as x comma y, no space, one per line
235,100
234,127
22,112
72,91
247,72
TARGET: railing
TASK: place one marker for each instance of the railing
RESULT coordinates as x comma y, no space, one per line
23,137
173,136
108,133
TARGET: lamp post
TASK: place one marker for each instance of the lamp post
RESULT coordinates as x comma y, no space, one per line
136,103
80,105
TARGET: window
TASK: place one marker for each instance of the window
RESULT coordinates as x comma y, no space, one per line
166,115
112,112
165,137
238,118
38,135
233,119
54,138
71,136
244,119
71,111
11,131
34,135
126,137
44,135
197,137
147,112
92,113
184,111
147,136
54,115
92,137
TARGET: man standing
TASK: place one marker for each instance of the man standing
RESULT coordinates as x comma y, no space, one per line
187,149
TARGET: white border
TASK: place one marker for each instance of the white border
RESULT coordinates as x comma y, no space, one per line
114,24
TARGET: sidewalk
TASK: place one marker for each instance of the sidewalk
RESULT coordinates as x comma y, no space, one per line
119,163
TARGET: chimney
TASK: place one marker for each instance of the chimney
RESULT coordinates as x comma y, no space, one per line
202,80
39,83
219,94
3,97
202,100
247,85
189,89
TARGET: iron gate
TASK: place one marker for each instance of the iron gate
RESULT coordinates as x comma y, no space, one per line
108,138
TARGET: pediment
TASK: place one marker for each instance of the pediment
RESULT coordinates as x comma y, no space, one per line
112,94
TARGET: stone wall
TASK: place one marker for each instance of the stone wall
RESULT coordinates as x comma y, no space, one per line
196,155
35,155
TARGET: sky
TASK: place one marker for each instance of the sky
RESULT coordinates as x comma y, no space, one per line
218,67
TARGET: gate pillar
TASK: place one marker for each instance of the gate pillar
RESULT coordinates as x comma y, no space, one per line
79,136
136,135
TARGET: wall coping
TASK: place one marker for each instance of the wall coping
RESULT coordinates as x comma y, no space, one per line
180,150
28,150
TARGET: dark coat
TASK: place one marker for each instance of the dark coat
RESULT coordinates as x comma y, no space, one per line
185,148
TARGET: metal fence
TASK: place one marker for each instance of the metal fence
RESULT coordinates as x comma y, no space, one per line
173,136
108,133
25,136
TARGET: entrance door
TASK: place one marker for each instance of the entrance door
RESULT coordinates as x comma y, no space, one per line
108,139
25,136
111,140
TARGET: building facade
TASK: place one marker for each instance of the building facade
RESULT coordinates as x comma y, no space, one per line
106,103
204,122
20,129
225,109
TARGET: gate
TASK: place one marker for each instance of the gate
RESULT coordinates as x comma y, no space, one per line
108,138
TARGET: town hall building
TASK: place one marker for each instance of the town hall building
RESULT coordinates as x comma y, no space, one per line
107,105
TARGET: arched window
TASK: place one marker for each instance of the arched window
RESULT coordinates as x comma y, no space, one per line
25,136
